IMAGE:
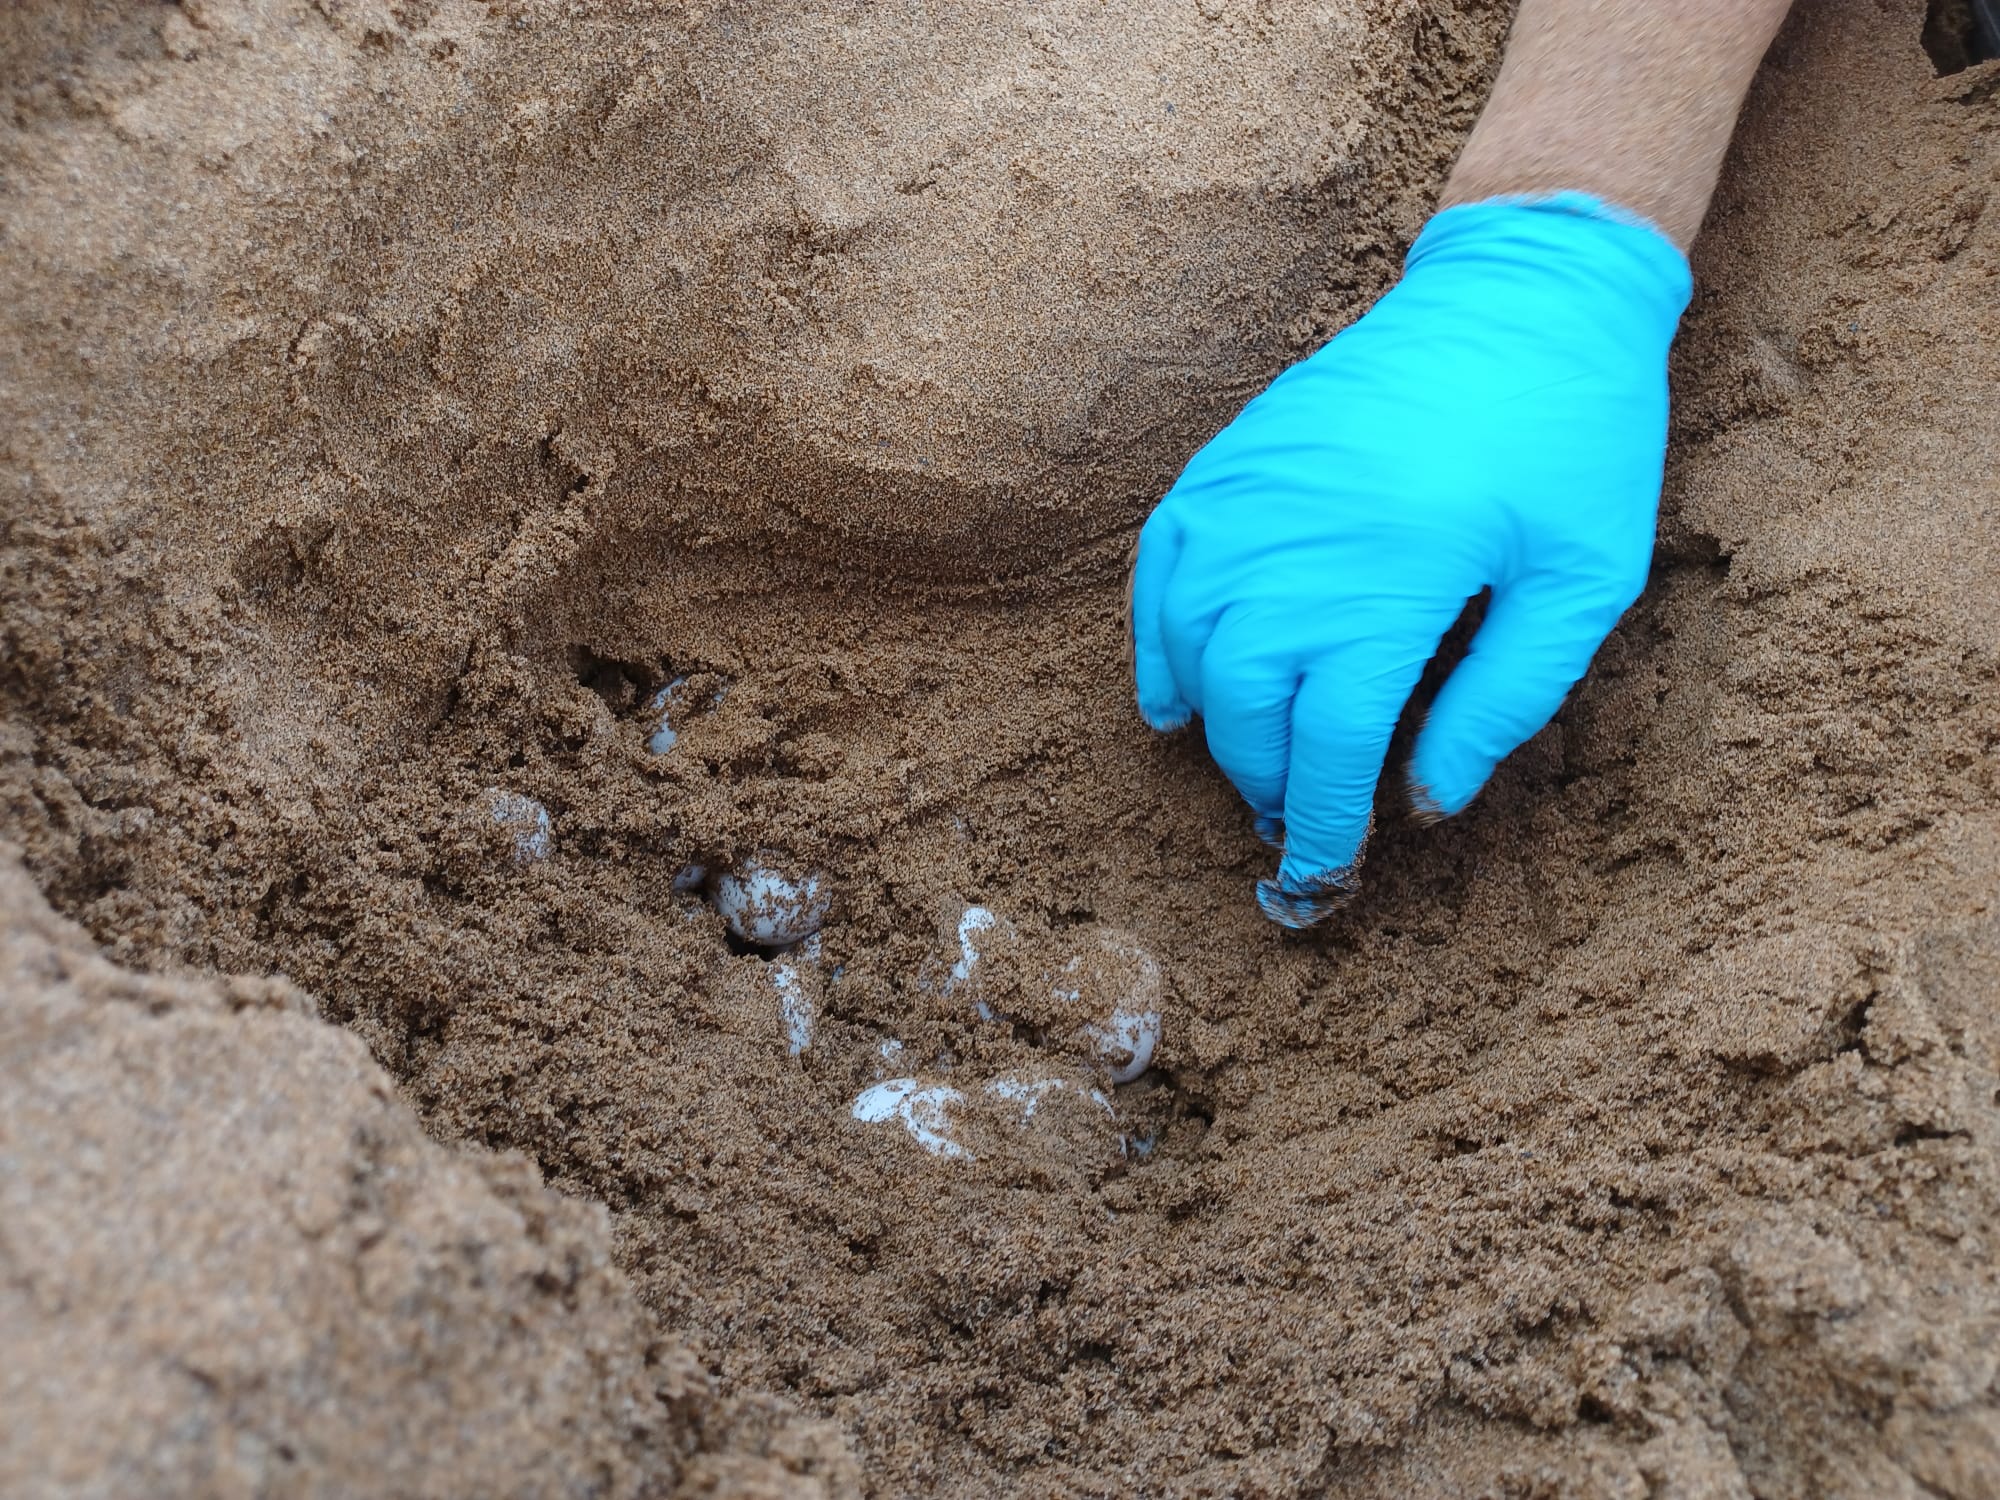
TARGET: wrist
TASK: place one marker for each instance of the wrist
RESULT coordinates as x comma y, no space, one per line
1582,258
1631,100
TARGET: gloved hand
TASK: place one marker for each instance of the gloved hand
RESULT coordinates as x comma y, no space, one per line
1498,420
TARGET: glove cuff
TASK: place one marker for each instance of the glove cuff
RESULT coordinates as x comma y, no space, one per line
1622,254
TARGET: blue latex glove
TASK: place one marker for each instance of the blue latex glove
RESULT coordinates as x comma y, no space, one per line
1498,420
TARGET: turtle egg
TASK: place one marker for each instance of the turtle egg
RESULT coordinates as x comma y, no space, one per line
795,1005
923,1109
664,736
977,929
1024,1095
526,819
1117,986
769,909
977,919
1126,1041
1049,1118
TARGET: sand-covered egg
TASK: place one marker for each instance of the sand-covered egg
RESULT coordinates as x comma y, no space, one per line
976,920
978,931
526,820
770,907
660,710
798,1003
1116,992
1059,1118
1022,1118
1021,1096
1101,989
923,1110
669,709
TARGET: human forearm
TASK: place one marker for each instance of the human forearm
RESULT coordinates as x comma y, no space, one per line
1632,101
1497,422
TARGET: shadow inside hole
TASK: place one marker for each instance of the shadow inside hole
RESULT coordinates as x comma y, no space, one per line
1960,33
623,685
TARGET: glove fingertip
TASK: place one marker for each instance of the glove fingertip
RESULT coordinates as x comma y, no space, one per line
1305,894
1299,904
1433,797
1161,703
1164,716
1424,805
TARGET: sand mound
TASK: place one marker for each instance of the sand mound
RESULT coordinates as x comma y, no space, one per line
406,407
233,1265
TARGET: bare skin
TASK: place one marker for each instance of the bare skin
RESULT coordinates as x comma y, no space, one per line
1631,101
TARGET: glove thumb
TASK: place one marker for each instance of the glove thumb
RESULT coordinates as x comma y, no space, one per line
1538,637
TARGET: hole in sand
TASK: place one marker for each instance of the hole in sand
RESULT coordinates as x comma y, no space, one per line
621,684
1594,1412
1961,33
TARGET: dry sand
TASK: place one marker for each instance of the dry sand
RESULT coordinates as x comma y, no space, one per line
235,1266
394,397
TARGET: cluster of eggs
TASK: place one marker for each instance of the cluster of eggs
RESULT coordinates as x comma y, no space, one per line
1107,1001
1106,997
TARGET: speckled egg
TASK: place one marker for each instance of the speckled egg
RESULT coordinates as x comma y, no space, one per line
769,907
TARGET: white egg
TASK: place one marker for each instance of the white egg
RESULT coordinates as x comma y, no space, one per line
924,1110
1126,1042
770,909
1053,1119
796,1006
977,929
526,819
1112,984
883,1101
1118,986
689,878
1025,1095
664,737
977,919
